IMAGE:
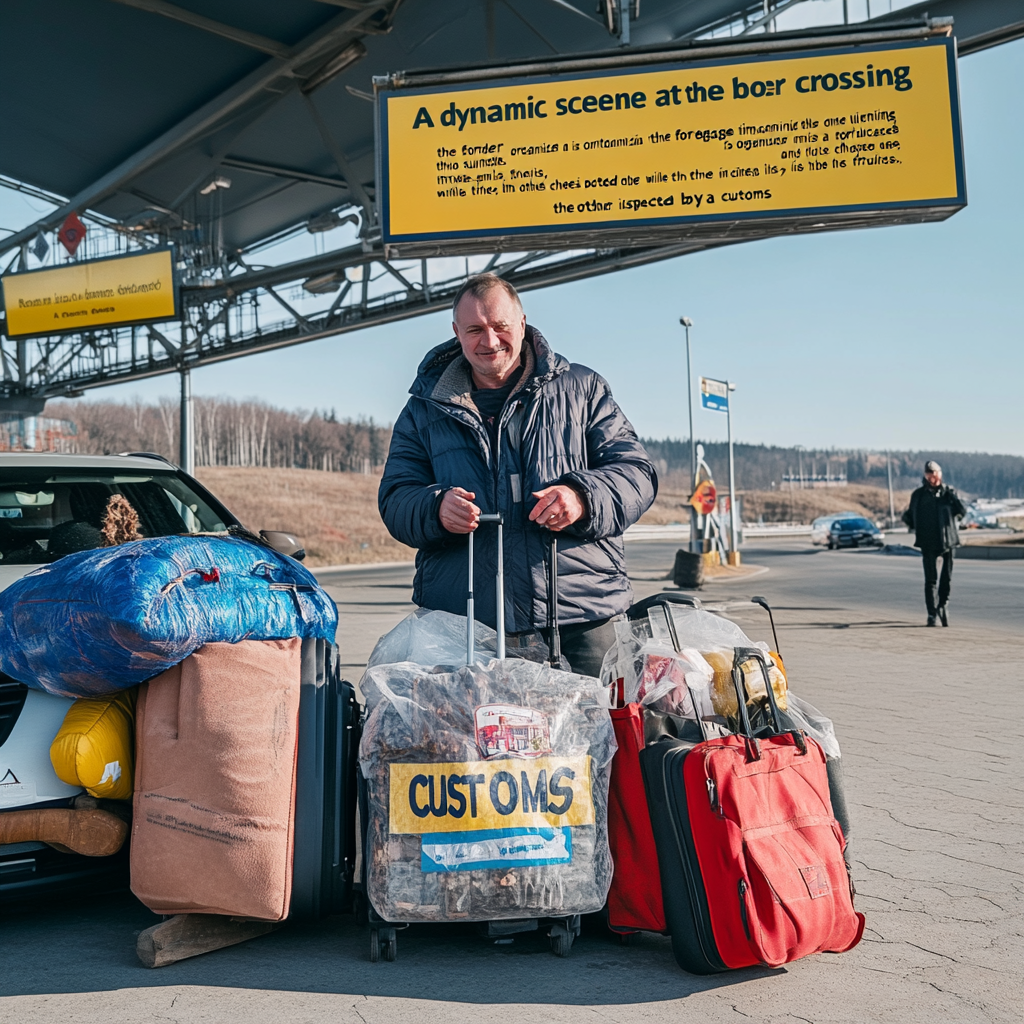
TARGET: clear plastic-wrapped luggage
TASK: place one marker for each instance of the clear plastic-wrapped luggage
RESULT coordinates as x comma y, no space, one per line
656,675
487,792
656,663
434,639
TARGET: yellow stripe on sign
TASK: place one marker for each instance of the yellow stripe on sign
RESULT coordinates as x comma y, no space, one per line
510,793
793,132
127,289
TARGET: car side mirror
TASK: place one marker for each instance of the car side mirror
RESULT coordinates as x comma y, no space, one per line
284,543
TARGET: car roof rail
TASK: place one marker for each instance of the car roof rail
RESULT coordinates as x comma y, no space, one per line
146,455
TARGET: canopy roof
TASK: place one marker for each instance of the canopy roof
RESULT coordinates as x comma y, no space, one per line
130,108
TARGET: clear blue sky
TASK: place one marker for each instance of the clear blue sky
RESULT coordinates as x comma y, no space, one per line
903,337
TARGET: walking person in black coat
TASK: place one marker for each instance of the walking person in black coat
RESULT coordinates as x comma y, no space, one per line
934,509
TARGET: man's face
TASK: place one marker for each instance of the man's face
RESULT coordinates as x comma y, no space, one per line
934,478
490,329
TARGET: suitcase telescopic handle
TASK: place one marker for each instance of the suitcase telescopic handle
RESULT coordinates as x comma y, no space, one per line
499,585
771,618
670,622
554,637
640,609
744,654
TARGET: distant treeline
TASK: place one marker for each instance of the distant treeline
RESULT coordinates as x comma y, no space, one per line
227,433
234,433
762,467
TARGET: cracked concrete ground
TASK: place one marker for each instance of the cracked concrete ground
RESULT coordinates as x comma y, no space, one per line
930,723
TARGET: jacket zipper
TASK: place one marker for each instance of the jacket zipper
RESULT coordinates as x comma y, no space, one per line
712,794
742,887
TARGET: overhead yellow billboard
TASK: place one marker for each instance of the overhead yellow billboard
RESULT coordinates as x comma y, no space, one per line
98,293
867,128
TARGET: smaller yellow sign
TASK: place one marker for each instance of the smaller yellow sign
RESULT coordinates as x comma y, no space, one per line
98,293
473,795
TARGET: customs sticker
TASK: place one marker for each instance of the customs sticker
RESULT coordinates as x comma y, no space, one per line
504,729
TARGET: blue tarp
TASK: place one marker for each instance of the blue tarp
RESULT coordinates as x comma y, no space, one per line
100,621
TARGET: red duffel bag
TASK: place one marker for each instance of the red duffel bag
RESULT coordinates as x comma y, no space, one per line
634,900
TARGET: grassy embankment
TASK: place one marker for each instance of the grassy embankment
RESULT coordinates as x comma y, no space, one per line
336,513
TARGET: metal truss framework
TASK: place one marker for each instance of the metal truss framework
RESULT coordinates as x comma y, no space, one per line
229,319
225,301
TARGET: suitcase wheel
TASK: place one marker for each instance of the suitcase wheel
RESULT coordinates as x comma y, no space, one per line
562,935
383,945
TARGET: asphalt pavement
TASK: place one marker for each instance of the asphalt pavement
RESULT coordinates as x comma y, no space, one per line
930,725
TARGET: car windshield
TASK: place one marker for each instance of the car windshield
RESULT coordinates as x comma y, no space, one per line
853,524
46,514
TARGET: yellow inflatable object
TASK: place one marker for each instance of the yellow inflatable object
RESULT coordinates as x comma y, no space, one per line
723,693
94,748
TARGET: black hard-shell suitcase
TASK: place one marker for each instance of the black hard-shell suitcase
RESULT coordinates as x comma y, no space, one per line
562,931
323,864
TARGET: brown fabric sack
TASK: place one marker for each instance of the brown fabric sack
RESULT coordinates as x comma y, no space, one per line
216,741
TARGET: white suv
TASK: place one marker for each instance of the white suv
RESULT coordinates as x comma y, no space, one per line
53,505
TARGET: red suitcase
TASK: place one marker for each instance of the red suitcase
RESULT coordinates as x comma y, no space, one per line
751,856
634,900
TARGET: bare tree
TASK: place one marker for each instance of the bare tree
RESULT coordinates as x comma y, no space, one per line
227,433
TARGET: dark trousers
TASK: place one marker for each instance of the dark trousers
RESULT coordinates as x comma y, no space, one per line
930,557
584,644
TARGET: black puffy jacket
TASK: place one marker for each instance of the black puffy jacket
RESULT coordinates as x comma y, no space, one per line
932,516
560,425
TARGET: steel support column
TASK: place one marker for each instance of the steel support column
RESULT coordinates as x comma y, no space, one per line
186,424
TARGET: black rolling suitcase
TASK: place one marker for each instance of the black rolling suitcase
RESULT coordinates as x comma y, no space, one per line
324,858
562,930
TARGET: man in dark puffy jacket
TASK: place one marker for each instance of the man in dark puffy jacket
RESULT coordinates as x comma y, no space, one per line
498,422
934,510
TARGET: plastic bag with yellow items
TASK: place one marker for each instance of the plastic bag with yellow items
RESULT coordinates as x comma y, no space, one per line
723,692
95,747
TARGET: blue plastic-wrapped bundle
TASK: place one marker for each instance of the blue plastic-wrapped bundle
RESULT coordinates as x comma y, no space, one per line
100,621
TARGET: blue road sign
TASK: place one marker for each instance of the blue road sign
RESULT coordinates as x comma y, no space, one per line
714,394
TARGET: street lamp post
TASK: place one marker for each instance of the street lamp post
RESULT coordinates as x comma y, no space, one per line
687,324
892,507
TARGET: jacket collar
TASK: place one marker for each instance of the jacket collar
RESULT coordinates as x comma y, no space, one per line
444,375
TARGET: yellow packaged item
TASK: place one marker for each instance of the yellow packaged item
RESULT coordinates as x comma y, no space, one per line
723,692
94,748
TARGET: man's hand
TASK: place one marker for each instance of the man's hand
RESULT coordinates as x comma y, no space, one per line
558,507
457,513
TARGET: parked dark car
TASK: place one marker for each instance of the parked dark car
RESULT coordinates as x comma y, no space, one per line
854,533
